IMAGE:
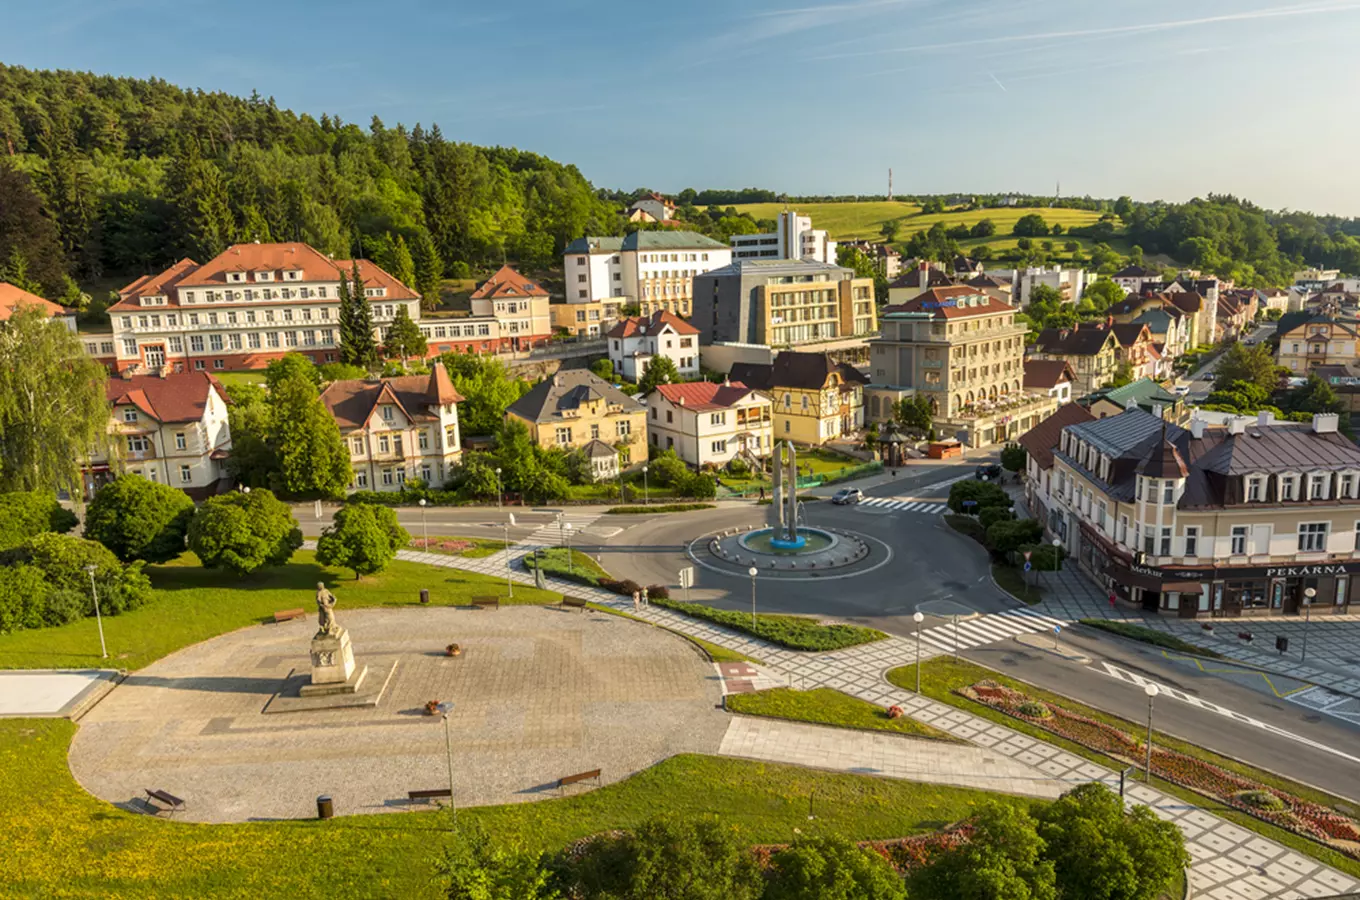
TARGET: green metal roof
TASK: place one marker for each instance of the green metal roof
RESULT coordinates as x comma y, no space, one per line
1144,393
670,240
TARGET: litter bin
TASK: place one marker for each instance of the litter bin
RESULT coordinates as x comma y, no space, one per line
325,809
424,595
1282,643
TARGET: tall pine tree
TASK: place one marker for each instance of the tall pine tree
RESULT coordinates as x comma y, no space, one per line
358,347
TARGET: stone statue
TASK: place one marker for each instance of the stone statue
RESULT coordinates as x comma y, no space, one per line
325,611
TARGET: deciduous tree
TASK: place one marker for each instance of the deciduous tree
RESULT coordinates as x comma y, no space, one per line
242,532
363,537
831,868
24,514
1030,225
312,458
139,519
1002,861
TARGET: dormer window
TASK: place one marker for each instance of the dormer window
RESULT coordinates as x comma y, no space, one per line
293,275
1288,487
236,277
264,276
129,415
1255,488
1317,486
1346,486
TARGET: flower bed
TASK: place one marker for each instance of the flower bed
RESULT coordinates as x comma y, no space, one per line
442,545
1239,792
903,854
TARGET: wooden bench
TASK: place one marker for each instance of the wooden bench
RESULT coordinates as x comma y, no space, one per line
574,602
432,794
287,615
173,804
486,602
579,776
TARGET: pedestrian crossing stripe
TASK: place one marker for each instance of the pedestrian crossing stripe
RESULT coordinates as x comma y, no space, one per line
925,507
989,629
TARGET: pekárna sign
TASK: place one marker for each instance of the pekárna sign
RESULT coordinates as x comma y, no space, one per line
1317,571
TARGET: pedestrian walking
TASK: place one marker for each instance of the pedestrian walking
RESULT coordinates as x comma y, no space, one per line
762,492
637,601
646,600
1111,599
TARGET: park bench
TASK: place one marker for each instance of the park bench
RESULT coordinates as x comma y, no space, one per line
579,776
574,602
486,602
173,804
287,615
432,794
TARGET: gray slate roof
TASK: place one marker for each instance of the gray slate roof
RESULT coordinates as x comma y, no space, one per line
567,389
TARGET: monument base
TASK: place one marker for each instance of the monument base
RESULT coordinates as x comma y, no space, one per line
332,657
326,688
291,699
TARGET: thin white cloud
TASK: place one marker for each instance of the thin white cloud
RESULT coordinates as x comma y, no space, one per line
777,23
1169,25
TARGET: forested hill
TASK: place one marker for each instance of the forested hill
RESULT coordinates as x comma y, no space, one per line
137,173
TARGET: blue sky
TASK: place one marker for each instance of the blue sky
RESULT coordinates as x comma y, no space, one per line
1153,98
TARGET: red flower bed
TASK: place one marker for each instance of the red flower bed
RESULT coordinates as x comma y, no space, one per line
442,546
1300,816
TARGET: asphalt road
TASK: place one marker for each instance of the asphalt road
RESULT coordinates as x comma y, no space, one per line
1231,737
1201,383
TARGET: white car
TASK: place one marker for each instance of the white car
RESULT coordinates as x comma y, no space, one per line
847,496
1181,390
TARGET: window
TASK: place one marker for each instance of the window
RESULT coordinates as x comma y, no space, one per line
1346,487
670,417
271,339
253,340
386,476
594,432
218,364
1123,529
623,428
653,413
1254,485
290,338
1192,541
425,474
1313,537
1166,542
719,418
384,444
196,343
180,442
215,341
1317,486
186,474
1287,487
234,341
129,415
564,435
718,447
137,443
356,446
129,347
1168,491
199,365
1149,543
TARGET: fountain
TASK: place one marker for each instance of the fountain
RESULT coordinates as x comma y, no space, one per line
785,464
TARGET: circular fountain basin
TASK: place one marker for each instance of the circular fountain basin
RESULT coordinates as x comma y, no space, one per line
810,540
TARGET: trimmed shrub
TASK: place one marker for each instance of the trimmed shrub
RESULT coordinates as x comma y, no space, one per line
984,493
139,519
24,514
44,582
990,515
659,508
793,632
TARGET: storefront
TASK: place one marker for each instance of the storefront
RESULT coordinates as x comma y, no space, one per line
1232,592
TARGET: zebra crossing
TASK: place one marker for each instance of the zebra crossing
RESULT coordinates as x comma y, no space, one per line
893,504
553,533
989,629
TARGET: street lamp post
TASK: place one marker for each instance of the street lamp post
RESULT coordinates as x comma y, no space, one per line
918,618
1308,595
424,530
445,709
1152,692
956,637
566,535
1057,558
646,495
499,490
99,619
753,572
509,585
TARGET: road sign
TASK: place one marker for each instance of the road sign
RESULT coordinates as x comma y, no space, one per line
1057,629
1028,554
318,509
1028,565
687,577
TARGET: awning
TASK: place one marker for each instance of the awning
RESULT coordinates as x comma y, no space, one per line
1183,587
1125,575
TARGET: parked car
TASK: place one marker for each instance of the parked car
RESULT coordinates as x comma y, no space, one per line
988,472
847,496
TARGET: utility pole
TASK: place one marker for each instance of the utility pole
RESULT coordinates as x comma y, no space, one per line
890,185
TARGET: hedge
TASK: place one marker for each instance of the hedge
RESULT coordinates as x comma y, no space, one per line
793,632
661,508
43,582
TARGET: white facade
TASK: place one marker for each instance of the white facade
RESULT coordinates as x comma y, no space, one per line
707,435
654,269
793,238
1071,283
385,452
632,353
186,454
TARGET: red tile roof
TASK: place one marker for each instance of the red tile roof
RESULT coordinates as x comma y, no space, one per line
956,302
251,258
644,326
179,397
1045,374
1041,440
507,283
11,298
704,395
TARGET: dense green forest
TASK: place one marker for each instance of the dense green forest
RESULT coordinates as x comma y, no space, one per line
111,177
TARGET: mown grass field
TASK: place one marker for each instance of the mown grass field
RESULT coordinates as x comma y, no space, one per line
61,842
826,706
192,604
864,221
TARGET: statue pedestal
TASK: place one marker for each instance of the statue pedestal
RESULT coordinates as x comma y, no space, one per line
333,668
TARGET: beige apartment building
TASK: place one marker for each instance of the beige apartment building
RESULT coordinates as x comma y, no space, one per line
964,352
397,429
1252,518
1311,339
783,303
590,319
575,406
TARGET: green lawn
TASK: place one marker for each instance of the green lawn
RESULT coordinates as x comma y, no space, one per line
582,568
481,547
826,706
228,379
1150,636
824,462
61,842
845,221
941,676
793,632
192,604
1018,583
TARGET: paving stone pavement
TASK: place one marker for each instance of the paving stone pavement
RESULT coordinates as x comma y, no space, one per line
1230,863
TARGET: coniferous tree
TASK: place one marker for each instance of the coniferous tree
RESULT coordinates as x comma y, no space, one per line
404,339
429,269
348,344
365,345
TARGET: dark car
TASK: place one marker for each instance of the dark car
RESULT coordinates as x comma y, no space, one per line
846,496
988,472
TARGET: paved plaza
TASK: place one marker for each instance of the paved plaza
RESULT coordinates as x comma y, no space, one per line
540,693
52,692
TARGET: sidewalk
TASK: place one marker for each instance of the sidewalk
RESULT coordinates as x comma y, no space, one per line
1229,862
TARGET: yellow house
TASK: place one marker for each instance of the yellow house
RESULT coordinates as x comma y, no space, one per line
575,407
815,398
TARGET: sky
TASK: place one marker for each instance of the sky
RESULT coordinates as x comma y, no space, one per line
1157,99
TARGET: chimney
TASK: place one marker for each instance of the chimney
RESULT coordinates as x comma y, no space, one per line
1237,425
727,381
682,400
1197,428
1325,423
1265,417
